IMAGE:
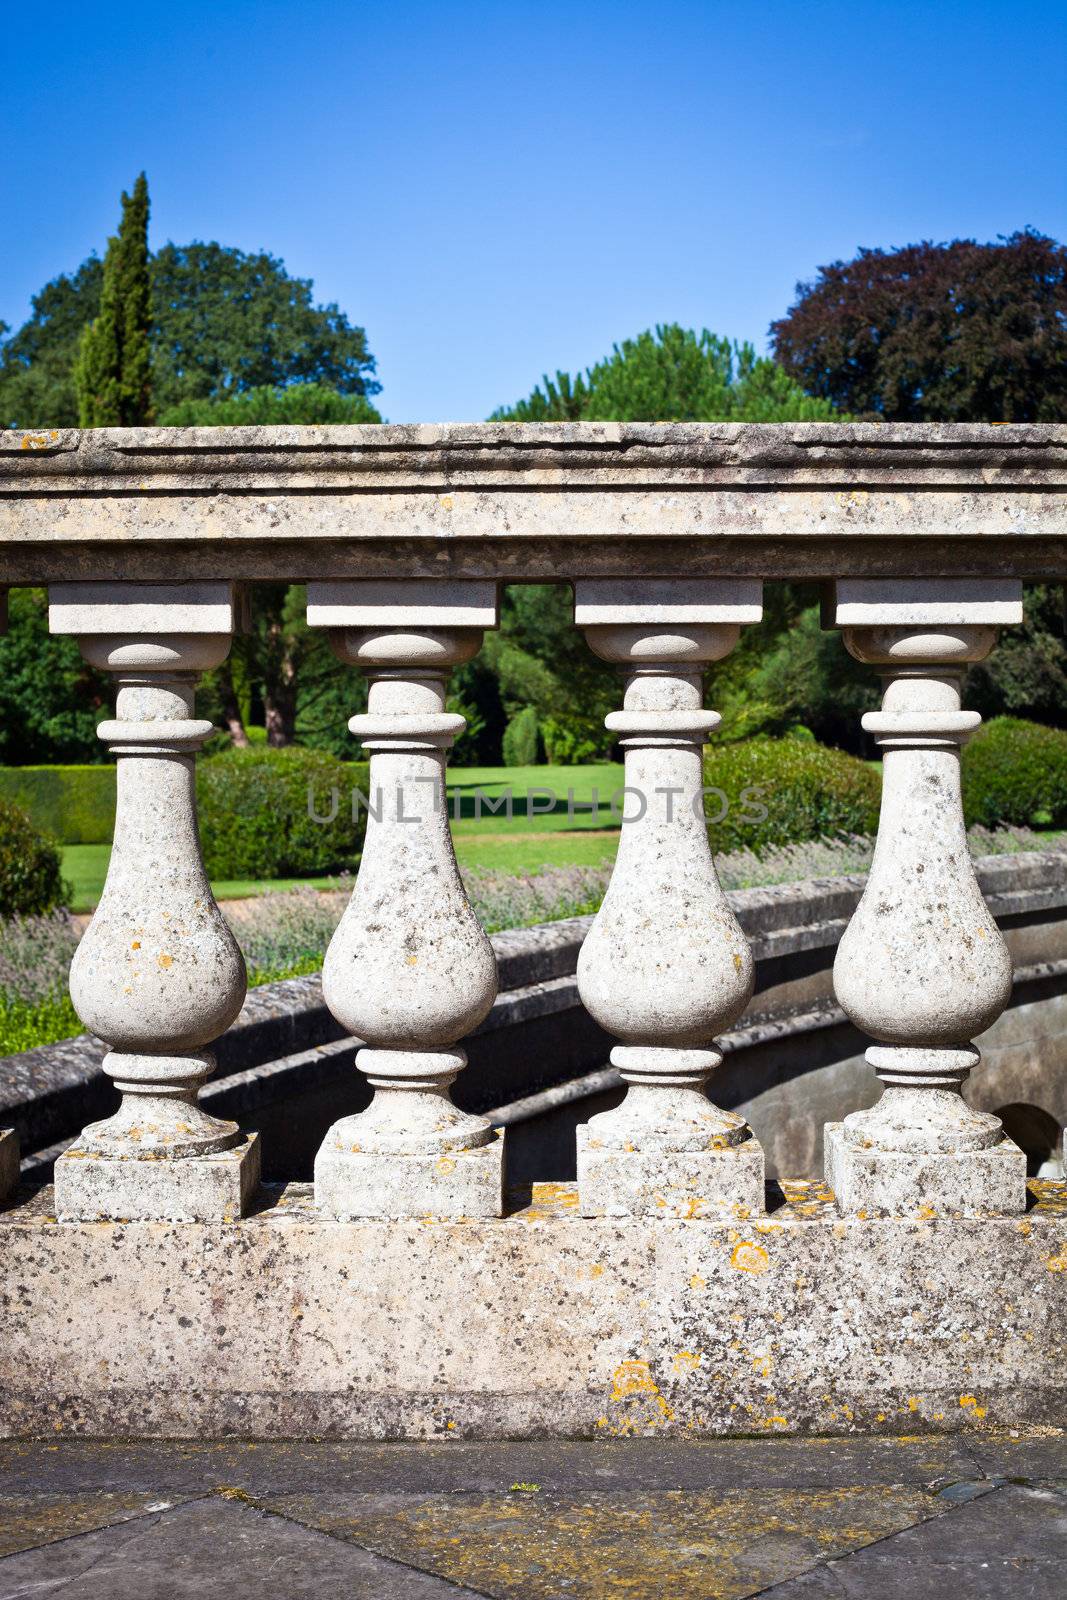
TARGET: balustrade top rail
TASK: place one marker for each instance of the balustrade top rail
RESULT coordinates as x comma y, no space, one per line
534,501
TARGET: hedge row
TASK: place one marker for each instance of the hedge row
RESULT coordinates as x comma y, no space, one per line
74,804
1016,772
255,818
784,791
280,813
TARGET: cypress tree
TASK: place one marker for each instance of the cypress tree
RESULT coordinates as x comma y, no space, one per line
112,374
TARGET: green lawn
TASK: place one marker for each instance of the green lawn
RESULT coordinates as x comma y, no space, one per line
569,834
85,867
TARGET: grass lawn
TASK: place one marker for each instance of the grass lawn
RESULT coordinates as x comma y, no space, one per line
85,867
568,834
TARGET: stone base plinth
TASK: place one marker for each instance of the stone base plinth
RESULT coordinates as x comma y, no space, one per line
218,1188
541,1324
9,1161
466,1183
666,1184
898,1183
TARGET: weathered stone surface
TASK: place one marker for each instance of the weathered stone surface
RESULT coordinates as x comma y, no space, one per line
1012,1541
726,1183
534,501
171,1469
212,1188
695,1519
458,1183
533,1544
180,1554
943,1183
288,1324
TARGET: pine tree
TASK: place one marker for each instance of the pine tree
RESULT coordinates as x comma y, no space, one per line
112,373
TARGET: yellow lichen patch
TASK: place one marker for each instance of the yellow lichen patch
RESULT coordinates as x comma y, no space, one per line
446,1165
661,1545
555,1196
762,1364
697,1282
445,502
969,1402
632,1381
750,1257
165,960
913,1403
1057,1263
687,1360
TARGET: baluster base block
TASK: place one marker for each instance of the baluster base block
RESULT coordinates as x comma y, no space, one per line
215,1188
924,1184
670,1184
9,1160
463,1183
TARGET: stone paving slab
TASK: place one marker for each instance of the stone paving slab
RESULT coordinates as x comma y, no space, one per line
184,1553
29,1520
640,1520
274,1467
1009,1545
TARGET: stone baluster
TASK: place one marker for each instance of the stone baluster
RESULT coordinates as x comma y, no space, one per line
922,966
158,975
409,970
9,1143
665,967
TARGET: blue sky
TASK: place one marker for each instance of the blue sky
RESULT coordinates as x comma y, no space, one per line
498,189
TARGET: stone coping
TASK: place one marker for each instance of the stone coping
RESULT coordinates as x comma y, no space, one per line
540,1324
529,502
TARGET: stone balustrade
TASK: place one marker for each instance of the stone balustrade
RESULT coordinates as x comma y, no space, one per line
923,536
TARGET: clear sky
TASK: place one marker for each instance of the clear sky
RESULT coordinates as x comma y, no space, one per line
501,188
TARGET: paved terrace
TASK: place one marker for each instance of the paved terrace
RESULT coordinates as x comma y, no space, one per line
814,1519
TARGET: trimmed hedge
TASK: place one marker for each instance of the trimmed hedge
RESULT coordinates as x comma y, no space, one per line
255,818
74,804
1015,772
31,879
520,739
784,791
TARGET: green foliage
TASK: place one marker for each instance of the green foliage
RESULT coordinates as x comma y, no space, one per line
76,805
255,808
959,332
27,1023
300,403
783,791
31,879
1026,675
50,701
541,659
520,739
1015,772
112,371
222,322
673,375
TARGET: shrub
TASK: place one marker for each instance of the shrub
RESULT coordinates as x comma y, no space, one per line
1015,772
255,817
76,805
783,791
520,739
31,879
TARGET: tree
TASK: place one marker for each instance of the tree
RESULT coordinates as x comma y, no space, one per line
307,403
222,322
673,375
112,370
959,332
50,701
